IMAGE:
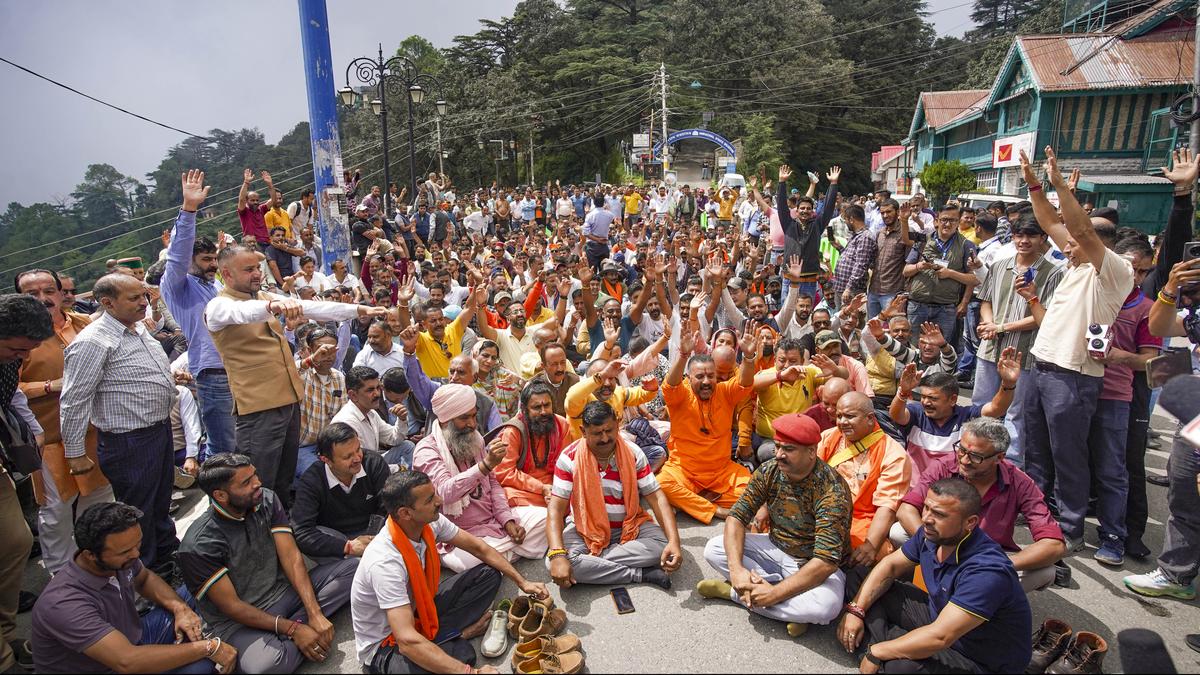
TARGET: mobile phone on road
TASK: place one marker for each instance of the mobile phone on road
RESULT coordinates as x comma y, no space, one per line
622,600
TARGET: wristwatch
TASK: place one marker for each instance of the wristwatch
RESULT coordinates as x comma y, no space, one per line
873,659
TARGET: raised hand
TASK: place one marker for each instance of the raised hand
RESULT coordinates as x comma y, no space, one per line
266,176
585,274
699,301
749,342
614,368
1051,167
564,288
611,331
1184,168
794,269
1073,181
407,290
835,172
1027,172
785,172
910,378
1008,366
933,333
194,189
876,327
826,364
247,176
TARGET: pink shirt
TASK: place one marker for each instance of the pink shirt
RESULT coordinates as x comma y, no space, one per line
254,223
486,514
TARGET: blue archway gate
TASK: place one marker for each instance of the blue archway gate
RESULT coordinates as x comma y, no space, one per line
700,135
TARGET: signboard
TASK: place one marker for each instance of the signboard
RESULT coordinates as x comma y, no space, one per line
641,140
1006,152
337,172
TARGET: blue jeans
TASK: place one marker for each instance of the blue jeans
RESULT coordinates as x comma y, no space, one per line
944,316
970,339
400,454
1058,411
216,411
306,456
1181,546
876,303
808,288
158,628
987,383
1106,442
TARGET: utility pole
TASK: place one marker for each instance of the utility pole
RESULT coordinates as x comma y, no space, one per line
1194,139
662,76
441,169
532,181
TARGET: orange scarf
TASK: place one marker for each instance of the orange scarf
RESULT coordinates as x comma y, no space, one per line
587,498
424,581
617,291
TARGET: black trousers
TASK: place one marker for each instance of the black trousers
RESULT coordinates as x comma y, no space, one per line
140,464
271,438
1137,509
902,609
460,601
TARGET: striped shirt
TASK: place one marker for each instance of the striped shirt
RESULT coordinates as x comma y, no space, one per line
610,481
928,440
115,377
323,397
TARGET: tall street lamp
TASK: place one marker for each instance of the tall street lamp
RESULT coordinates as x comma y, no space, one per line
397,76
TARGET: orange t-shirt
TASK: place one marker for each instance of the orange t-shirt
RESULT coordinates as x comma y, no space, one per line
701,431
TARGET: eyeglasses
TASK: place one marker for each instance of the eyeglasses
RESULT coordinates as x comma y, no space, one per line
974,457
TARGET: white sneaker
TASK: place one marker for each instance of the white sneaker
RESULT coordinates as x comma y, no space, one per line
1157,584
495,641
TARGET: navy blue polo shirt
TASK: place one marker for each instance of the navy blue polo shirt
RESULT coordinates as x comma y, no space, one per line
980,580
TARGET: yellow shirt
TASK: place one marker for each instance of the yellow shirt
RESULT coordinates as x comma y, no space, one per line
279,218
633,204
881,373
583,393
970,235
435,357
542,317
725,210
783,398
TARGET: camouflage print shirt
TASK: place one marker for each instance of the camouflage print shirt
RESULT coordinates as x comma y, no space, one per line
809,519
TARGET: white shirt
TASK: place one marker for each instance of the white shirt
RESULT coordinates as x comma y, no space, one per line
381,583
301,217
320,283
373,433
380,362
189,418
564,207
1084,296
332,480
476,222
224,311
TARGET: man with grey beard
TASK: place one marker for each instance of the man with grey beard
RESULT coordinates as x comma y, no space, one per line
461,468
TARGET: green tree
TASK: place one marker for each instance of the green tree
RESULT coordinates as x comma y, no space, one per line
981,72
946,177
105,195
761,146
426,57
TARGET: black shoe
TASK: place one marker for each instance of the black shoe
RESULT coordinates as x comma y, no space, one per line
26,601
656,576
1155,479
1062,575
1134,548
1193,641
23,651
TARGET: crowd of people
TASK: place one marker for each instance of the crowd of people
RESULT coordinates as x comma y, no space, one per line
871,395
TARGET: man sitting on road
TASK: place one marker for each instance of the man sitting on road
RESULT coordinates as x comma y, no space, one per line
601,479
534,438
790,574
1005,493
824,411
875,468
935,424
406,619
788,387
461,467
337,510
241,563
361,413
85,621
701,412
975,619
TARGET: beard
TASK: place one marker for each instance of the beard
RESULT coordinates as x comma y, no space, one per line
541,426
465,446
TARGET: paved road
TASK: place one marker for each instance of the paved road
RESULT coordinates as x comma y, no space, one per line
677,631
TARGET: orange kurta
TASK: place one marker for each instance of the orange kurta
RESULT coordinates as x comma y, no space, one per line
700,449
45,363
878,478
523,485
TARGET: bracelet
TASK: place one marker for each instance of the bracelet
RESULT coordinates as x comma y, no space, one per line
555,552
1003,388
1162,297
269,307
903,394
46,385
1035,187
292,629
1168,296
1035,300
853,609
213,648
277,624
871,658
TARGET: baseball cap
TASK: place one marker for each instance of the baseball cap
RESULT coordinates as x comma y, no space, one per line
501,297
826,337
737,282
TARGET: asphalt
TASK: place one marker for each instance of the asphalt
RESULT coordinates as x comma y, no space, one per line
678,631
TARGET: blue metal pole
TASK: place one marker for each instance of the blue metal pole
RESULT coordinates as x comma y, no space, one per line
323,130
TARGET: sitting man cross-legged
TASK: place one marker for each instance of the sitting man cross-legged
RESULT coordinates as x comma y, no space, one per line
85,620
241,563
601,479
975,619
406,618
876,469
790,574
1005,491
534,438
361,413
462,468
337,509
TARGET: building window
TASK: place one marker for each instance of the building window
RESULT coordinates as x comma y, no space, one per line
988,180
1020,112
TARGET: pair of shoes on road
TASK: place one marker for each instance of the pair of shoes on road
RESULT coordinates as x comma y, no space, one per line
719,589
529,617
1111,551
545,654
1157,584
1058,649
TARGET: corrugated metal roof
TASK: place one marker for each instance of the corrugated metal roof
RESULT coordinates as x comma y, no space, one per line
943,107
1096,61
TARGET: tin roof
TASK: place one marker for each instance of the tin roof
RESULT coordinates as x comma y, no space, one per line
1081,62
1124,179
944,107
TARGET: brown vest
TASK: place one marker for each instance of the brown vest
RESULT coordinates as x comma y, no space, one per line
259,362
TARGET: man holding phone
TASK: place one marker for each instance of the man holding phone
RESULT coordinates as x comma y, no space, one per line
610,539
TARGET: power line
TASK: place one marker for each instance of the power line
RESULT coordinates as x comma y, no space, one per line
110,105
